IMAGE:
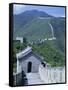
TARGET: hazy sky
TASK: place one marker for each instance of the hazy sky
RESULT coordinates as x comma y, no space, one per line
55,11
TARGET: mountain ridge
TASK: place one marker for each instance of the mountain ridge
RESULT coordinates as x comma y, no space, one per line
24,25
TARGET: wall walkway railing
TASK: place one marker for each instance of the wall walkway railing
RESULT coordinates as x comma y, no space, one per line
52,74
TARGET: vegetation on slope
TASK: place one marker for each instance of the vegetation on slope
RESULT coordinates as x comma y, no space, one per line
50,54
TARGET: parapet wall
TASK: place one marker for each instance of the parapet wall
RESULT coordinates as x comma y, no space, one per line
52,74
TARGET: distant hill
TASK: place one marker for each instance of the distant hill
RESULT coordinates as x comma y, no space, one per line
36,29
22,19
34,25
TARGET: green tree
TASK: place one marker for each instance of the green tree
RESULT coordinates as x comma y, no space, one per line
25,41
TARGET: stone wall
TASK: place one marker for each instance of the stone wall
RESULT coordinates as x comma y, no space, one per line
35,64
52,74
20,79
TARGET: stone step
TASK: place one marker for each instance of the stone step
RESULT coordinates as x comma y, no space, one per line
33,78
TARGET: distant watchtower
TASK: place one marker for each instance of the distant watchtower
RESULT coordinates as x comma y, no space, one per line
20,39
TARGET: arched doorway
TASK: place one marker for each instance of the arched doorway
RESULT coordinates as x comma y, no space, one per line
29,67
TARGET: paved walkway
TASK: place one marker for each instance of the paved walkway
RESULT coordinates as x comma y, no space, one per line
34,78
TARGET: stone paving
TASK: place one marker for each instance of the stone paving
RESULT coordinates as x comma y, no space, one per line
34,78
